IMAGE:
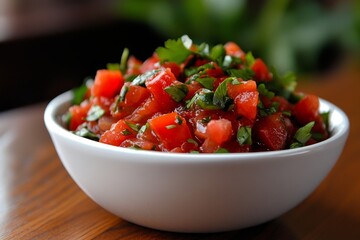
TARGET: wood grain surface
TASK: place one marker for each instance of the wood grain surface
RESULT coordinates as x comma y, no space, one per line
39,200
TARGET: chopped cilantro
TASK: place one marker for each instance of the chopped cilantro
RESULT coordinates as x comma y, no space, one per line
174,51
141,79
123,60
125,132
133,126
95,113
249,59
190,140
243,135
217,53
302,135
245,74
178,120
113,66
264,91
79,94
207,82
177,92
86,133
171,126
221,150
221,98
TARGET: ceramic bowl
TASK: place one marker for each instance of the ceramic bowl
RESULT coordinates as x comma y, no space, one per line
195,192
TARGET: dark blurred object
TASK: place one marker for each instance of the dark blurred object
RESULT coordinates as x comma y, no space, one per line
302,36
48,47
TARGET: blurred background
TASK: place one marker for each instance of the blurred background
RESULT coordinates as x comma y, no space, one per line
50,46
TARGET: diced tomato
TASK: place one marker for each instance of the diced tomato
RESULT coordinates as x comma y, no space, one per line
133,66
103,102
307,109
136,95
145,111
246,104
234,90
193,87
171,129
209,146
105,122
271,132
150,63
216,72
219,131
175,68
78,115
157,85
118,133
138,143
261,71
284,105
233,49
107,83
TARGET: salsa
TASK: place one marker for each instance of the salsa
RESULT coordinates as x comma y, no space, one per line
196,98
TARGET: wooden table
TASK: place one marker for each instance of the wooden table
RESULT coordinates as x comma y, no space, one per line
38,199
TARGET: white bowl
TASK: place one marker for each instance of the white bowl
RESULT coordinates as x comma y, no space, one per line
195,192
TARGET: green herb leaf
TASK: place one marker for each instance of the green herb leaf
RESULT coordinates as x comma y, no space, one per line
264,91
133,126
66,118
221,99
217,53
79,94
171,126
178,120
123,61
86,133
113,66
125,132
95,113
245,74
207,82
326,118
141,79
123,93
174,51
243,135
249,59
303,134
221,150
144,127
201,69
190,140
177,92
203,99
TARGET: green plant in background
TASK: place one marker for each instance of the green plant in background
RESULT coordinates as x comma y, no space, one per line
297,35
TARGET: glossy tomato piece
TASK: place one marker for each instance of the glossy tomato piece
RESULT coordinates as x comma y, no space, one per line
138,144
145,111
246,104
219,131
271,132
157,85
232,49
174,68
234,90
78,115
133,66
107,83
118,133
307,109
150,63
261,71
171,129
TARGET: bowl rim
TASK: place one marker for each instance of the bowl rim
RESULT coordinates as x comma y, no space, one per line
51,115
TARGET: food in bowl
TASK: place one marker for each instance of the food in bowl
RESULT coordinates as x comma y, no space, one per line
195,192
190,98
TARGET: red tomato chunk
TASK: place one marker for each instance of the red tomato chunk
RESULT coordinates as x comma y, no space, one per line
189,98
